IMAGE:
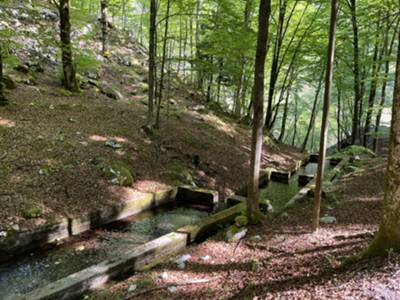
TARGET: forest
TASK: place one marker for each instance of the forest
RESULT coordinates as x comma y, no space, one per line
199,149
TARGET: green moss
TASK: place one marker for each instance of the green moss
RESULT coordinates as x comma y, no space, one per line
241,221
118,173
4,171
32,212
63,93
179,174
353,151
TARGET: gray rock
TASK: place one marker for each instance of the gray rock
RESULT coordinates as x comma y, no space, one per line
49,15
110,91
328,220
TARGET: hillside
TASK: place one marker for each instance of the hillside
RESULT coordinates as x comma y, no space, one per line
55,144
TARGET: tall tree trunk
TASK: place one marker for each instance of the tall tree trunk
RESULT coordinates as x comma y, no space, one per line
221,67
295,120
388,236
339,108
164,55
372,91
356,72
152,62
275,59
198,35
237,105
313,112
69,72
104,26
3,99
388,53
325,115
258,104
270,123
285,110
180,46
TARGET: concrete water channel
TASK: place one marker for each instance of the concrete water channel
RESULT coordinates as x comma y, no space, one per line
26,276
39,269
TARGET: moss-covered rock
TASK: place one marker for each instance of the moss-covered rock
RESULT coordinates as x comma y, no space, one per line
110,92
179,175
118,173
241,221
31,212
234,233
266,205
353,152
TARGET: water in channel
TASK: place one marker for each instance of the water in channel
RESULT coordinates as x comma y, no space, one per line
39,269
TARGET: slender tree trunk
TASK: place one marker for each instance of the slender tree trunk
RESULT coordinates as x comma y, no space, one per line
198,35
285,112
325,116
210,83
388,236
184,52
384,84
104,26
69,72
258,122
295,121
164,55
238,106
221,67
339,134
180,46
3,99
271,122
374,82
313,112
356,72
152,62
275,59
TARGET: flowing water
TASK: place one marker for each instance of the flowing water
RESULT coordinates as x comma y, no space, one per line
39,269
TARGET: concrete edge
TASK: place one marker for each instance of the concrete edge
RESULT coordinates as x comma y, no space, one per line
201,229
94,277
330,176
141,258
188,195
26,241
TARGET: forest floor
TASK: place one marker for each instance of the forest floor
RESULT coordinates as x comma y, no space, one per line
286,260
51,142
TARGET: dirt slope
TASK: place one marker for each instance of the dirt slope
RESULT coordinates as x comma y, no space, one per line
51,142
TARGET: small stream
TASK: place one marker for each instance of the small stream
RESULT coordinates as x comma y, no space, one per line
38,270
279,193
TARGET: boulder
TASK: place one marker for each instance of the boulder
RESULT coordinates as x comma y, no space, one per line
110,91
234,234
49,15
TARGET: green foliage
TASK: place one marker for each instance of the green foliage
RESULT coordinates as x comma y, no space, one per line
354,151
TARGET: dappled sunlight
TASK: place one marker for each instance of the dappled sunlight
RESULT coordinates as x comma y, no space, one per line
7,123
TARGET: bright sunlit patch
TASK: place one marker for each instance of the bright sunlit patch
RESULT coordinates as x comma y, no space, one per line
7,123
100,138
